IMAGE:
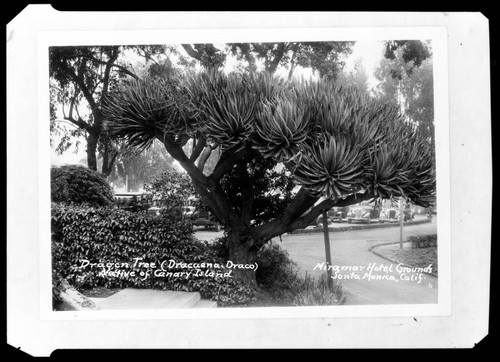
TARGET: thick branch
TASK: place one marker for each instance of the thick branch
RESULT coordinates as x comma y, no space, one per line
72,104
192,52
207,151
112,162
107,72
210,191
228,160
278,56
299,205
122,68
79,123
198,146
287,224
247,196
146,56
178,154
78,79
292,61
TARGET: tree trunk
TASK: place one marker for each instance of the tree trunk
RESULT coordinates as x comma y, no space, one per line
242,252
92,151
105,161
108,160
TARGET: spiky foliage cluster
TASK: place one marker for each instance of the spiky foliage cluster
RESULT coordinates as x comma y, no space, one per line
148,108
227,106
334,140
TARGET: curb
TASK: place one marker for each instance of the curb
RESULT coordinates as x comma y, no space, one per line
394,261
359,227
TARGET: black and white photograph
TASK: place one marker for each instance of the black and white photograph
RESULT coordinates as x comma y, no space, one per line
267,175
243,175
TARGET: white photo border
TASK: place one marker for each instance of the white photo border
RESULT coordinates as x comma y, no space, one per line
463,138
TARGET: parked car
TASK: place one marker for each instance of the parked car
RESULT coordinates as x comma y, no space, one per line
334,214
390,214
133,201
360,214
205,218
393,215
187,211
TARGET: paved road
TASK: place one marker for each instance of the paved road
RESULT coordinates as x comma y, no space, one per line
349,249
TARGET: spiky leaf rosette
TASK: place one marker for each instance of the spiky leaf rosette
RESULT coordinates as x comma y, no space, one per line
388,159
402,166
281,128
227,105
331,107
331,168
146,108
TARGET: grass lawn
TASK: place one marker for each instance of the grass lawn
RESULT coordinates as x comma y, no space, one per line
420,257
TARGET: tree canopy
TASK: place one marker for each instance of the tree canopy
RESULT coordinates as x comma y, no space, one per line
80,79
414,87
412,53
335,142
324,57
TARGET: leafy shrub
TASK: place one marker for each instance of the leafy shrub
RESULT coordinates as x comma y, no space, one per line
311,292
171,188
219,247
77,184
423,241
56,278
277,274
117,236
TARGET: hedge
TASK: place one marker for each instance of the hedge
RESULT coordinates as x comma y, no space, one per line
107,235
80,185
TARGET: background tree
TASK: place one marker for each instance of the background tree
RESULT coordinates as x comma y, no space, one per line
206,54
80,78
356,77
333,141
419,91
405,78
388,86
412,53
140,167
323,57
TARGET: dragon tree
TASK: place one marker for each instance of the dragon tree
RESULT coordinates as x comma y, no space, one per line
338,146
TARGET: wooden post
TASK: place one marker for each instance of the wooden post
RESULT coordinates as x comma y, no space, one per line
327,250
401,218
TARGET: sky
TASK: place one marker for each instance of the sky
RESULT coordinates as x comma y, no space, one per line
370,53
